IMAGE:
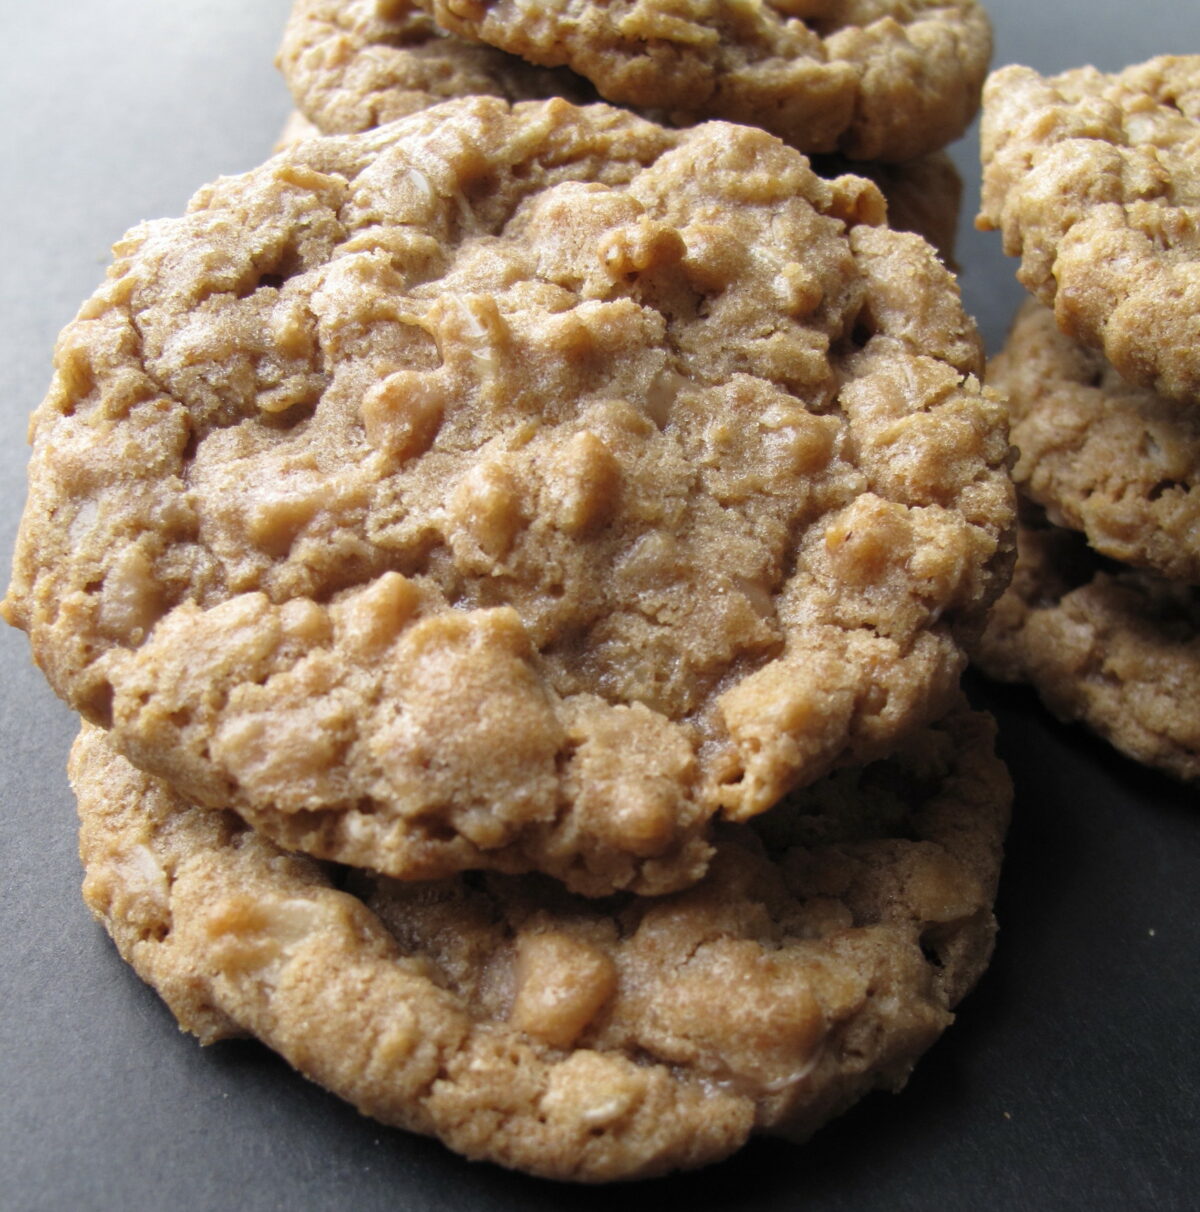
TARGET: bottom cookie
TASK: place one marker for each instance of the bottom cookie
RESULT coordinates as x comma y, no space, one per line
577,1039
1111,646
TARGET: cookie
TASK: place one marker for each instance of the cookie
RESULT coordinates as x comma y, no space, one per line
355,64
872,79
1094,181
1115,461
514,488
1113,647
576,1039
922,195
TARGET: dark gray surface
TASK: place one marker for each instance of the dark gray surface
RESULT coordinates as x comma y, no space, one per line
1071,1078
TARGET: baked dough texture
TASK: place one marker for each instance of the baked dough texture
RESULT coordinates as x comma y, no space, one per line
583,1040
1094,181
1115,461
923,195
1113,647
514,488
355,64
873,79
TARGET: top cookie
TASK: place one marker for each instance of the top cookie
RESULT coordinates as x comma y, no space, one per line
355,64
1094,181
1100,455
873,79
514,487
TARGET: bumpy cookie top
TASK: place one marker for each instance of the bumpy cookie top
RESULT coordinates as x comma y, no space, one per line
355,64
1095,182
1116,648
514,488
578,1040
922,195
1115,461
874,79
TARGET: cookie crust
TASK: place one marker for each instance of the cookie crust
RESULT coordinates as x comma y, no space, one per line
1093,181
536,1030
514,488
872,79
1117,649
1115,461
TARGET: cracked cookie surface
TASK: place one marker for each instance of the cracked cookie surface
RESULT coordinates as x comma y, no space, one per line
873,79
1115,461
582,1040
1115,648
514,488
1094,181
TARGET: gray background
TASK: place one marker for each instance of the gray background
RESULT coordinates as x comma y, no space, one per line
1070,1080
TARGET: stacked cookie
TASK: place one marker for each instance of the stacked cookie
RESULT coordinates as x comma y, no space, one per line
1093,181
878,90
515,563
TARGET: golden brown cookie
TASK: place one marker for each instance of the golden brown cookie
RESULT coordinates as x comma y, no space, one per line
514,488
578,1039
355,64
1094,181
1115,648
922,195
872,79
1115,461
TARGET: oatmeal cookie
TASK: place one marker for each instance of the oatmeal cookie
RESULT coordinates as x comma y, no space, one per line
1115,461
1094,181
578,1039
1117,648
872,79
514,488
355,64
922,195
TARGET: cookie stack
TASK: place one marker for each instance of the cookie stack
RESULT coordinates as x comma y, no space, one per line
880,93
1093,181
515,564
